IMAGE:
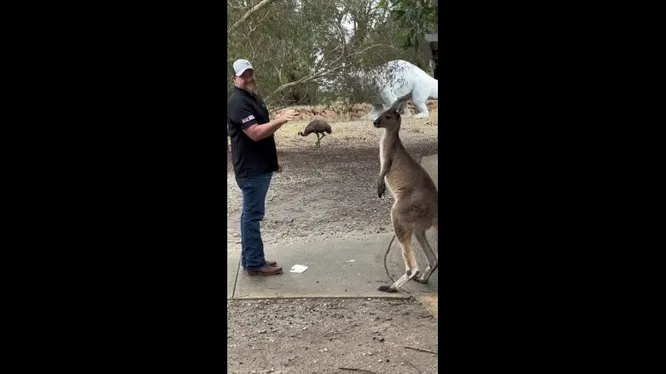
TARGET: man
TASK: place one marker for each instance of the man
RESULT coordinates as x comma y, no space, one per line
255,159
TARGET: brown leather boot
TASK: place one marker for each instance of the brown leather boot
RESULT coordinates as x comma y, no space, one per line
271,263
265,270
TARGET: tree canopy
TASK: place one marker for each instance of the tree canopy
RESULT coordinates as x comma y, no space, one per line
300,47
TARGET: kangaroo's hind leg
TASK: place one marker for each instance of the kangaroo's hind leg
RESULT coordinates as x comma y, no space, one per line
404,235
431,259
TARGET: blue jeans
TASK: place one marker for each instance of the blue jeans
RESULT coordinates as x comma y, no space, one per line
254,202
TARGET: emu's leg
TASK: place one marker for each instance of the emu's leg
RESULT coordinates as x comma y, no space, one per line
322,136
317,143
404,236
431,259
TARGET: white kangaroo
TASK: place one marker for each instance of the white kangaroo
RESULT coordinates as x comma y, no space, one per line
398,78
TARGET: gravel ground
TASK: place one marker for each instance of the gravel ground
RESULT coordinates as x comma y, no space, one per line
329,192
324,335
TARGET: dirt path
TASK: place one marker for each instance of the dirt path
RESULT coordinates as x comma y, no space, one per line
328,191
321,336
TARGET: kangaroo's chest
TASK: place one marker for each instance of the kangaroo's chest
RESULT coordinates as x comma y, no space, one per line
383,157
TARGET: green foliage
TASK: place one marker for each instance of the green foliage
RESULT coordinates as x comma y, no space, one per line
414,18
284,38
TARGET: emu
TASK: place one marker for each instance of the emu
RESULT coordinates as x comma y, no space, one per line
318,127
416,198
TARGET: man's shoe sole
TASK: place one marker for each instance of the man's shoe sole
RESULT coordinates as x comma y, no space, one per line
255,273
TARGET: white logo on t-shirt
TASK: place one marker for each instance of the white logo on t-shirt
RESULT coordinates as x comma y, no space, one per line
248,118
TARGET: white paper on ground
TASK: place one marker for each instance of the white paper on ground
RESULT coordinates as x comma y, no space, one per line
298,269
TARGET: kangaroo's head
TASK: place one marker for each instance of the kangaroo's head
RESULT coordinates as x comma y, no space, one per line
390,118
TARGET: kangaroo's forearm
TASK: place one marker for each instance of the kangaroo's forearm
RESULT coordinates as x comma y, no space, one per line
386,166
387,154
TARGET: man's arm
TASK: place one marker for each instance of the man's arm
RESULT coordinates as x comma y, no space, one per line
257,131
254,130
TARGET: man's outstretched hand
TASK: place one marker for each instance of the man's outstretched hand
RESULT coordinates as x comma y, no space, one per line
288,115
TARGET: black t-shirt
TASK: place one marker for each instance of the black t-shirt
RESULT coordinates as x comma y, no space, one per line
250,158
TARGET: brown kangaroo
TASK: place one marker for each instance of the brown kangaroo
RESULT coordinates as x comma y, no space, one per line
416,197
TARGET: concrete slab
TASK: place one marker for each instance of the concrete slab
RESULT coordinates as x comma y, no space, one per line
429,163
233,263
336,268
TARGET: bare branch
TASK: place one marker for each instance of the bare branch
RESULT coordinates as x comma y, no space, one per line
412,365
332,67
279,73
258,23
361,370
247,14
421,350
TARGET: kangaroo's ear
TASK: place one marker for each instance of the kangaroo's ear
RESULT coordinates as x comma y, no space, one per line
400,103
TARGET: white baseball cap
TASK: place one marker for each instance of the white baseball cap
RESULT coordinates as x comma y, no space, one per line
240,66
